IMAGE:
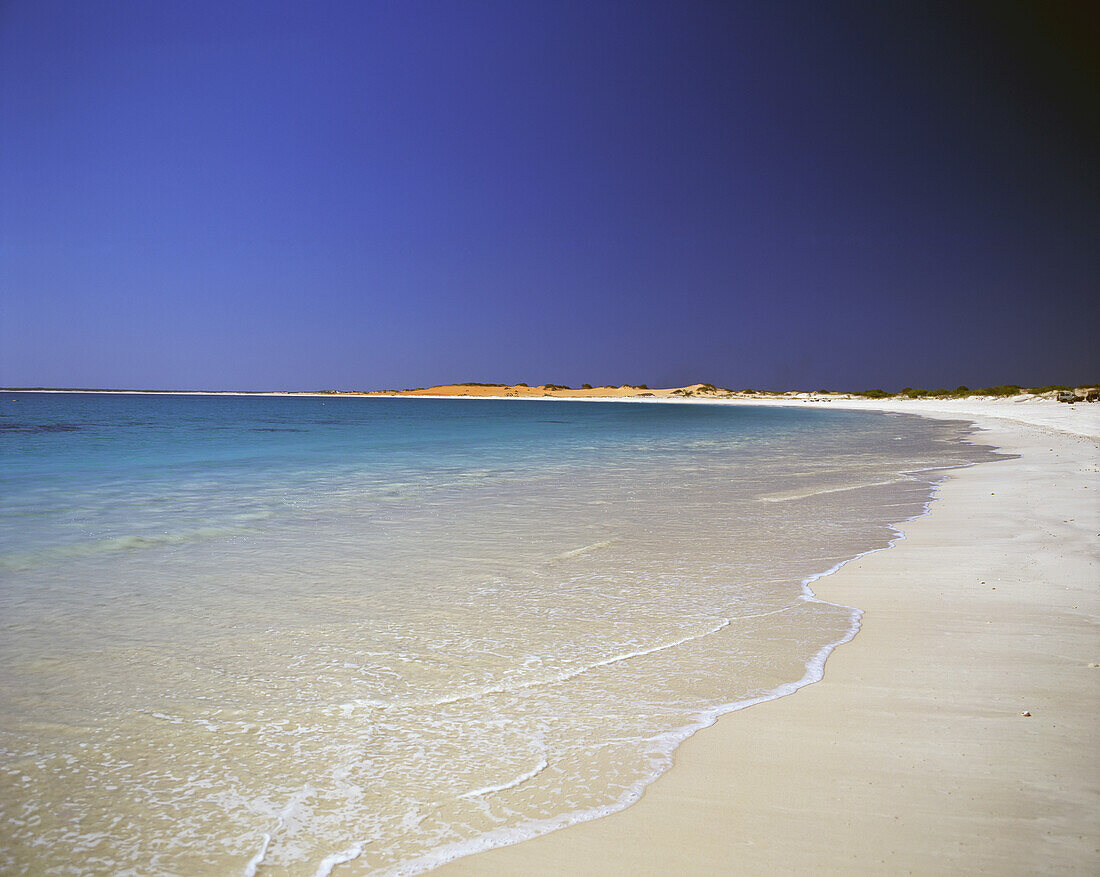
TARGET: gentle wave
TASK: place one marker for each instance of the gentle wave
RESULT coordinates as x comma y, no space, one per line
510,784
789,496
564,676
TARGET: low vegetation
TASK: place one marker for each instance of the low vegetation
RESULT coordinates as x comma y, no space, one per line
875,394
962,391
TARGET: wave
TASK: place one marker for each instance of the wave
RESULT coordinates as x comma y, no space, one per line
510,784
564,676
38,428
788,496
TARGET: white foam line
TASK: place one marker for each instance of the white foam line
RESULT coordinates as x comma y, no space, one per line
549,680
330,862
254,862
280,824
906,475
806,495
511,784
762,614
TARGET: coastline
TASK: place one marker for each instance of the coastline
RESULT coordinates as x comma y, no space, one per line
722,815
1025,407
913,753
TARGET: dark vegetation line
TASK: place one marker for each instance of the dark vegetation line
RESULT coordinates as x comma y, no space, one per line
962,391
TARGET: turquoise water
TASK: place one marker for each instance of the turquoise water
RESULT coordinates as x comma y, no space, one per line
297,635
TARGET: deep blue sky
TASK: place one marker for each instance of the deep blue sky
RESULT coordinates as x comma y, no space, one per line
366,194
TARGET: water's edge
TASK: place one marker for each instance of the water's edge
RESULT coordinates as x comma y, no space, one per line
671,740
370,623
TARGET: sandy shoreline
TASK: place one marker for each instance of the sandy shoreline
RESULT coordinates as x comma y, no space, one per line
912,755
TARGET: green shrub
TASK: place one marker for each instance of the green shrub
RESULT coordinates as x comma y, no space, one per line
875,394
1002,390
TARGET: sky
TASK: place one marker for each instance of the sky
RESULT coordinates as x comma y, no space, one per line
365,195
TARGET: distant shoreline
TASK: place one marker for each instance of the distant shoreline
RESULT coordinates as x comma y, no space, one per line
1038,410
172,392
625,392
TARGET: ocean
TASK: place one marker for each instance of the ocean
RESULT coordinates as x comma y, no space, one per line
301,636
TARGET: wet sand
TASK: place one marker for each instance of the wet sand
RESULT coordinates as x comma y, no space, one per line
916,753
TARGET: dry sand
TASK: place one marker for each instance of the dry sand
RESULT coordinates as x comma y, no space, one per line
523,391
914,754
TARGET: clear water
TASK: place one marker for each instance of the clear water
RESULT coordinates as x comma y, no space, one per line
291,635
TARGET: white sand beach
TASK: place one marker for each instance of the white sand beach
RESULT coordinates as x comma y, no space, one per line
956,734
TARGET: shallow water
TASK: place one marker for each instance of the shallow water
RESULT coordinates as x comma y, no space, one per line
268,635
